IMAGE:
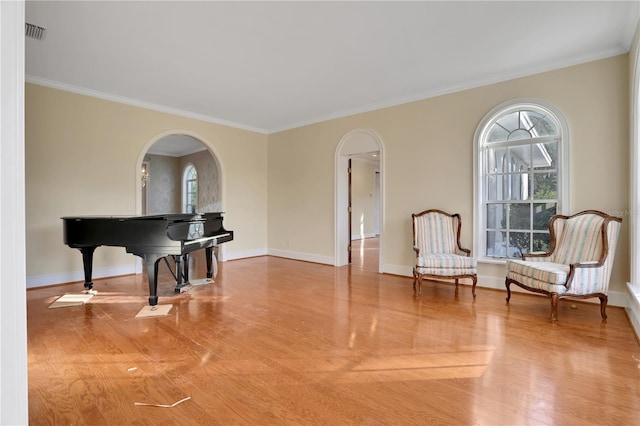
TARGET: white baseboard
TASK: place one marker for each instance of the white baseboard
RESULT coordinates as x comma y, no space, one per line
402,270
362,237
35,281
44,280
243,254
308,257
628,300
633,307
616,298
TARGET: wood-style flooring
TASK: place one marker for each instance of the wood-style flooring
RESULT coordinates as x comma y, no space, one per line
282,342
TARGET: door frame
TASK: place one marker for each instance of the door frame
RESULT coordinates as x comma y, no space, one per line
350,208
356,141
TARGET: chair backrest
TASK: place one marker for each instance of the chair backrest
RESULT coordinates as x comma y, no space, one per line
435,231
613,230
584,237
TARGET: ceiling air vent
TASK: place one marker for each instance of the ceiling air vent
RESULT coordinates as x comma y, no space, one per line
34,31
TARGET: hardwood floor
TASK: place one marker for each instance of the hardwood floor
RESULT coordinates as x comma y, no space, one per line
281,342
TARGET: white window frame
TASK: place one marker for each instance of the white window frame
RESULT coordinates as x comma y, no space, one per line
185,188
479,210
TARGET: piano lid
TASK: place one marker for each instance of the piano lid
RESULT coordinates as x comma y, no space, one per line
169,217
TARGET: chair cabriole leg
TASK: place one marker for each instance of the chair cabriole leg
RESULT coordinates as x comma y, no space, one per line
554,307
603,306
415,277
473,287
507,284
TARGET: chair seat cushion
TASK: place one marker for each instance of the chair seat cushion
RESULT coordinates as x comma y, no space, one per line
547,272
446,264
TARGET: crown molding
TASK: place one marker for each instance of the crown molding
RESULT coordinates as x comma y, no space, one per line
472,84
137,103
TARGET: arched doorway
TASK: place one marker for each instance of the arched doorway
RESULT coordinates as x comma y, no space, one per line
162,166
159,175
356,144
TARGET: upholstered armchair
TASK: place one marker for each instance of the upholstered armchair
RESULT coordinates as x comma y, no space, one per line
439,255
578,263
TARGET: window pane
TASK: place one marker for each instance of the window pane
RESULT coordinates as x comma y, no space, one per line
496,246
497,187
518,244
520,156
519,186
519,216
545,155
495,160
515,163
529,119
496,216
542,212
510,121
545,186
541,242
519,135
544,126
497,134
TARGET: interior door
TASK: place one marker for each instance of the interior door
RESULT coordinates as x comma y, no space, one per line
349,209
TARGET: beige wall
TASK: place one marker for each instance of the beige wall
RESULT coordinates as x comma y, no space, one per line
163,184
208,180
82,158
429,161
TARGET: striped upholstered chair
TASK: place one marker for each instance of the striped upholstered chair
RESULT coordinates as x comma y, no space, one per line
439,255
578,263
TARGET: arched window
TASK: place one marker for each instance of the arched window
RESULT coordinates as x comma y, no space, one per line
521,179
190,189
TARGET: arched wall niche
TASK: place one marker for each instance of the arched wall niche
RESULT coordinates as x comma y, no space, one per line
357,142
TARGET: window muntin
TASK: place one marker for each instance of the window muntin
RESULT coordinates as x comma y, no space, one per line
519,152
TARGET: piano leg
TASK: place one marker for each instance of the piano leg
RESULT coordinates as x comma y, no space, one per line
212,263
178,274
87,262
182,273
185,264
152,272
182,279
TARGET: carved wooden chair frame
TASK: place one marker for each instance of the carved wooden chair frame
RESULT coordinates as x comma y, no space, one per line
418,277
555,297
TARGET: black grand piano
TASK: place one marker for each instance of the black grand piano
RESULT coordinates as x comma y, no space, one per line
153,238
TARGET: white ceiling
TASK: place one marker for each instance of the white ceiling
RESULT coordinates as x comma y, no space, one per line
270,66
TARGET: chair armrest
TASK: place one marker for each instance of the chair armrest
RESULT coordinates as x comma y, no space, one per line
417,250
589,275
537,256
589,264
463,252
